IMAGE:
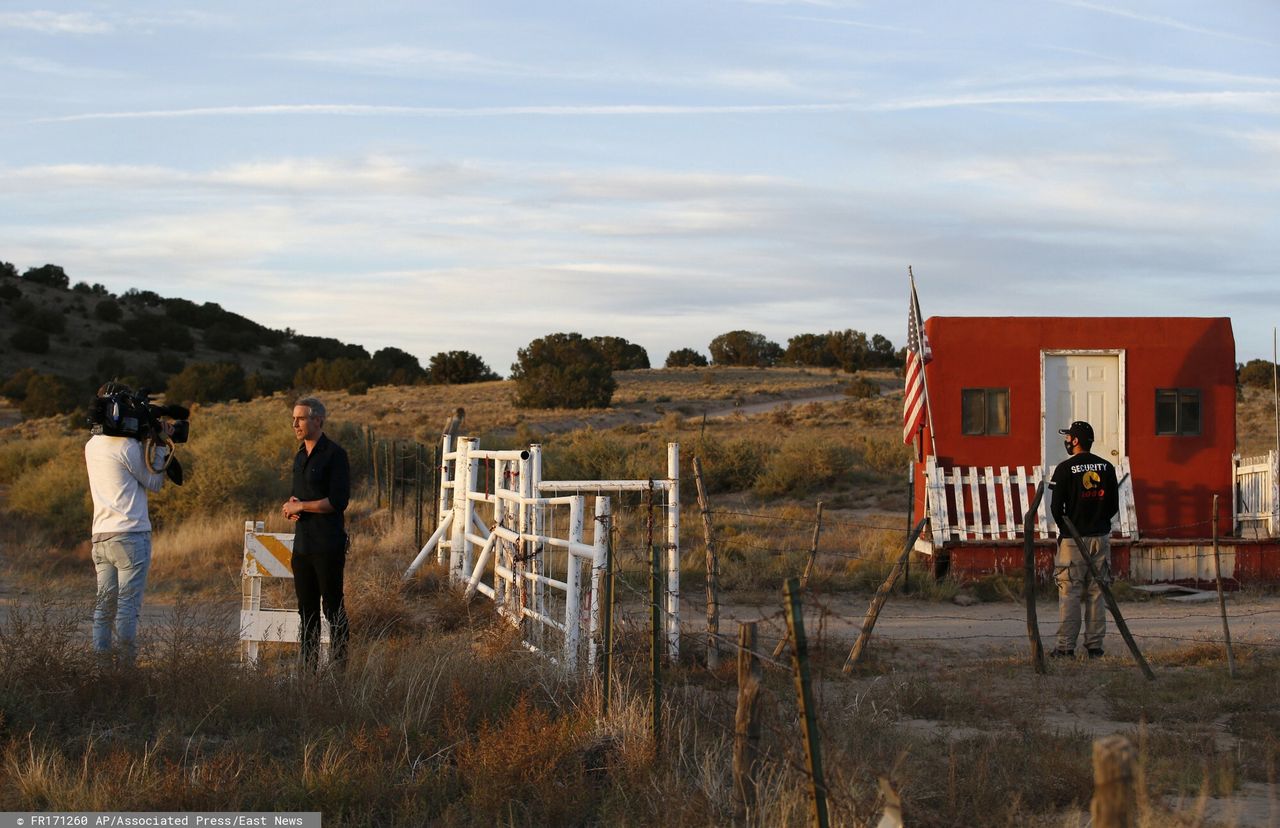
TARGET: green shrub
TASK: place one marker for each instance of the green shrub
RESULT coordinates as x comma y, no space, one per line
458,368
805,462
882,454
334,374
1259,373
15,387
861,388
49,274
31,340
238,459
205,382
19,456
108,310
562,371
733,465
686,358
621,354
54,494
47,395
744,348
587,454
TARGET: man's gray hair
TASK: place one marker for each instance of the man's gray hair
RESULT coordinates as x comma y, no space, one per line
313,405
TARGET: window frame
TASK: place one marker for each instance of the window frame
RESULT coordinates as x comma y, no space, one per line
1180,396
987,400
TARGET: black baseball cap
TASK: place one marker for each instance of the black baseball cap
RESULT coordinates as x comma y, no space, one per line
1080,430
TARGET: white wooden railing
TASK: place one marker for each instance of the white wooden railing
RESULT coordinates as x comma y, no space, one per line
985,503
1257,495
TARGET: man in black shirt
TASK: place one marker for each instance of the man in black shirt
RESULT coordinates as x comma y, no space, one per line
321,489
1085,490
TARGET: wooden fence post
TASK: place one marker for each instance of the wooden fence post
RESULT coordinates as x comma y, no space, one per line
746,722
1114,801
1109,599
877,603
808,570
1029,580
713,571
375,457
804,694
1222,599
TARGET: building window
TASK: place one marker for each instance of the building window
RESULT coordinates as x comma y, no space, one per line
984,411
1178,411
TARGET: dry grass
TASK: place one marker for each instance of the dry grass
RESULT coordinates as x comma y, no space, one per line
442,718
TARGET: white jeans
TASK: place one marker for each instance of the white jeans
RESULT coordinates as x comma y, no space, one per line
1075,586
122,563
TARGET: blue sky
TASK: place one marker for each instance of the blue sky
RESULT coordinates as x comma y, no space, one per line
473,175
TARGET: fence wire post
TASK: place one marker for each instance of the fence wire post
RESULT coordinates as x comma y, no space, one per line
1222,598
808,569
713,571
1029,580
656,641
746,722
877,603
804,694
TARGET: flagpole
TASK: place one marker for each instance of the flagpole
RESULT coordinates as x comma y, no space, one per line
924,374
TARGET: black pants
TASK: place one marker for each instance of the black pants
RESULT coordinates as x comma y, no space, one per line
317,580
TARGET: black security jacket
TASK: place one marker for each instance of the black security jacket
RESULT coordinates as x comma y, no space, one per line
1085,490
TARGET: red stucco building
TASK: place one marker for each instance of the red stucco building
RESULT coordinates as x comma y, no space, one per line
1160,393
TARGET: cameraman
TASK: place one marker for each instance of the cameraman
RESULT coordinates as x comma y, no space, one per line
119,479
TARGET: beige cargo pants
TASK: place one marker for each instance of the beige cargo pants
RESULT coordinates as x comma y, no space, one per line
1076,587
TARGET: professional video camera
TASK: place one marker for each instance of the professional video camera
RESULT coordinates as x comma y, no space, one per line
126,413
122,412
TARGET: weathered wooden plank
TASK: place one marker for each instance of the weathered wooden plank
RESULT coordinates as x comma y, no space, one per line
1048,529
1020,495
1006,485
975,499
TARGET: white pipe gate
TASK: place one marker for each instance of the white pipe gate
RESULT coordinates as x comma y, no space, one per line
523,550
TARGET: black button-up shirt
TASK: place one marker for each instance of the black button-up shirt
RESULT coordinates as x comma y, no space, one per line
323,473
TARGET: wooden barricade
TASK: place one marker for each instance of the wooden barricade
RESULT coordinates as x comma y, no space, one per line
267,555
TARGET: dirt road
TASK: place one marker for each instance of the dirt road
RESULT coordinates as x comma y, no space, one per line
993,629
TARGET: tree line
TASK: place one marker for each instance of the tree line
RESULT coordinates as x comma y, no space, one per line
150,341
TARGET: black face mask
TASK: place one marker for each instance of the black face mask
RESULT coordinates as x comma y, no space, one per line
1066,444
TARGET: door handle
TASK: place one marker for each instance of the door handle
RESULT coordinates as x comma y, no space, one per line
1115,452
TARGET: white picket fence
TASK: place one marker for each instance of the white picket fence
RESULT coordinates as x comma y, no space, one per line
506,540
1257,495
986,503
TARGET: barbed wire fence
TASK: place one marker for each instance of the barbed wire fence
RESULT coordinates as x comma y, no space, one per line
793,742
773,731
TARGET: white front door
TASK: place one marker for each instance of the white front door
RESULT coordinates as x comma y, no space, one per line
1083,387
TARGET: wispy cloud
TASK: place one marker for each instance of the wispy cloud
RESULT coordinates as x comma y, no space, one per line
1250,101
398,59
456,112
1160,20
1253,101
49,22
856,24
54,68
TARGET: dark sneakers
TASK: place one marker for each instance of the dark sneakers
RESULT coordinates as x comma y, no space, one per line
1096,652
1062,654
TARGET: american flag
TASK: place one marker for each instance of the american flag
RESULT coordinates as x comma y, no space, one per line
918,355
